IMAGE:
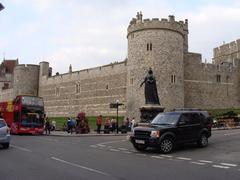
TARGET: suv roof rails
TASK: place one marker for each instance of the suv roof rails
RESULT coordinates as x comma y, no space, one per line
187,109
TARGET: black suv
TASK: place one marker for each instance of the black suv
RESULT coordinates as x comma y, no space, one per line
169,129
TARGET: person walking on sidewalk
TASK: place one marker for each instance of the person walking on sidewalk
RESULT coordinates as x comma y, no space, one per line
99,123
47,126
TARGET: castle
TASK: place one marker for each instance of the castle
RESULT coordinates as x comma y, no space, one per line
162,44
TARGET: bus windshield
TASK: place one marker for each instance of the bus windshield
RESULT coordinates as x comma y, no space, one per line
32,120
32,101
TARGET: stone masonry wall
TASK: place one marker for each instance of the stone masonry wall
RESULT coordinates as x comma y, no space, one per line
6,95
89,90
202,89
227,52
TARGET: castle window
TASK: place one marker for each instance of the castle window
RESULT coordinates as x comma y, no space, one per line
132,35
149,46
78,88
173,78
131,81
107,86
218,78
227,79
57,91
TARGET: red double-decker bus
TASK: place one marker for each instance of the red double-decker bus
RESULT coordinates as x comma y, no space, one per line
25,114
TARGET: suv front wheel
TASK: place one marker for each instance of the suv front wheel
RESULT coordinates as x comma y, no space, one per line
203,140
166,145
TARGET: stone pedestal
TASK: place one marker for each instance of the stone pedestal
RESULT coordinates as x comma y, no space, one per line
148,112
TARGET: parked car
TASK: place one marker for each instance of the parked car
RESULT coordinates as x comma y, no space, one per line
4,134
172,128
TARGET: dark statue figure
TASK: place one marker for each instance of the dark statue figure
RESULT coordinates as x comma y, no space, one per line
151,94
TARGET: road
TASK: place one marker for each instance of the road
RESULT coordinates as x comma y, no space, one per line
113,157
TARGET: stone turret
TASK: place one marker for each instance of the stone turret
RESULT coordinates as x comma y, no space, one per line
159,44
25,80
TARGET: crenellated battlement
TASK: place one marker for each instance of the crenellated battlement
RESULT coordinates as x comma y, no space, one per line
139,24
227,49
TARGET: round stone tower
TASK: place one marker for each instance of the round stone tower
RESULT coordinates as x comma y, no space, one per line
159,44
25,80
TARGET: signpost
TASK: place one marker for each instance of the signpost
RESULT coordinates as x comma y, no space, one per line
115,106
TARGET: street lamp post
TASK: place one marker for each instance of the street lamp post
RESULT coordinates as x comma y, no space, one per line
117,104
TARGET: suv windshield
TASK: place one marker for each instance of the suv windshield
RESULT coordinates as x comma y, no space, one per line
2,123
166,119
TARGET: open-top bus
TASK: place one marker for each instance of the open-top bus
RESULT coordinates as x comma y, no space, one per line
25,114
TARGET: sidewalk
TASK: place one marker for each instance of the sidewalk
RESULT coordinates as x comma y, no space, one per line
226,128
92,133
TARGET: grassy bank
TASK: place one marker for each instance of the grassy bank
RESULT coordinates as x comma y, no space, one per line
218,113
60,121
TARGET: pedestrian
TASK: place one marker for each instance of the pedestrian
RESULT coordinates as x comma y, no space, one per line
69,125
47,126
113,124
107,126
99,123
133,123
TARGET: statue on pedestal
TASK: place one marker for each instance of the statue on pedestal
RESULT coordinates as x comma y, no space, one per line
151,94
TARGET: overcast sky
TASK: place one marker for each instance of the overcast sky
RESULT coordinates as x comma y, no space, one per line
90,33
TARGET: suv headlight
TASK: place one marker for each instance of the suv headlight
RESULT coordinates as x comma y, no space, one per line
155,134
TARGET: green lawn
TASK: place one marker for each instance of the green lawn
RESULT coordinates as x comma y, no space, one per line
91,120
218,113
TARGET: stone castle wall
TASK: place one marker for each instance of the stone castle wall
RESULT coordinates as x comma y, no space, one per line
89,90
227,52
6,95
202,87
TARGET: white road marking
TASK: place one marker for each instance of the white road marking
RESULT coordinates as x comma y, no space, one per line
80,166
110,142
227,164
229,134
223,167
183,158
167,156
127,152
101,145
198,163
116,150
109,146
123,149
93,146
138,154
21,148
158,157
205,161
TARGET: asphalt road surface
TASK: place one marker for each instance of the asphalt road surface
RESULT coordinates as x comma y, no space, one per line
113,157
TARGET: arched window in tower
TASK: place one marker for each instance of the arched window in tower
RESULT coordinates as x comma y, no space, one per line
78,88
107,86
57,91
173,78
149,46
218,78
131,81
